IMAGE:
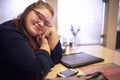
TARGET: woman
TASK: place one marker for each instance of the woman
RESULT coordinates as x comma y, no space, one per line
29,45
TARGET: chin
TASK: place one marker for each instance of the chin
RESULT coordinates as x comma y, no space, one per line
33,34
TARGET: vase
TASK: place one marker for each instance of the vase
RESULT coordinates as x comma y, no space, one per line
74,40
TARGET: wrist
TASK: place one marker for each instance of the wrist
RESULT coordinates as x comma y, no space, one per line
45,47
52,31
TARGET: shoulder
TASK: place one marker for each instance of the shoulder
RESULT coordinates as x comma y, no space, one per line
7,25
8,29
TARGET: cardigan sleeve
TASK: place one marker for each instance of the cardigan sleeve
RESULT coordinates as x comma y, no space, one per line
56,54
19,59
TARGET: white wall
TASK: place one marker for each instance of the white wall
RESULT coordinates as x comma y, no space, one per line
10,9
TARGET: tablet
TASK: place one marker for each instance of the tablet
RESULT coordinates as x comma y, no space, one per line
79,59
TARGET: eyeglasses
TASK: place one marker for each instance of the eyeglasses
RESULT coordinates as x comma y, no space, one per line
42,18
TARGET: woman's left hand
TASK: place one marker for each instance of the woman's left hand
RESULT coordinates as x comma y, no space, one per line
53,37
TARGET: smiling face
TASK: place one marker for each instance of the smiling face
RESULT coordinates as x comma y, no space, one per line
34,24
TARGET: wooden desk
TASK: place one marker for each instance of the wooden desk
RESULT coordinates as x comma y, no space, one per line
109,55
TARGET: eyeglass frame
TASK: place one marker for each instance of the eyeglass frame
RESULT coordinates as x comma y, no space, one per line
42,18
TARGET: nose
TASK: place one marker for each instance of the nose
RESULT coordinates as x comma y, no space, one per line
41,23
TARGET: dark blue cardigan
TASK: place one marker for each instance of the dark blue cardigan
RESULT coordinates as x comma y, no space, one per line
17,59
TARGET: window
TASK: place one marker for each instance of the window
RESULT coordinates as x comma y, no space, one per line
86,14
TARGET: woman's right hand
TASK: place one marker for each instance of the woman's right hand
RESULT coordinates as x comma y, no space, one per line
43,42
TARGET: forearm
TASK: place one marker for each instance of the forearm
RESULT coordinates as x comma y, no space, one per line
56,54
45,63
53,38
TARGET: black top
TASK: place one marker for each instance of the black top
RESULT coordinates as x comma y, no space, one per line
17,59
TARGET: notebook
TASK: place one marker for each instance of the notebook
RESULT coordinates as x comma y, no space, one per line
79,59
